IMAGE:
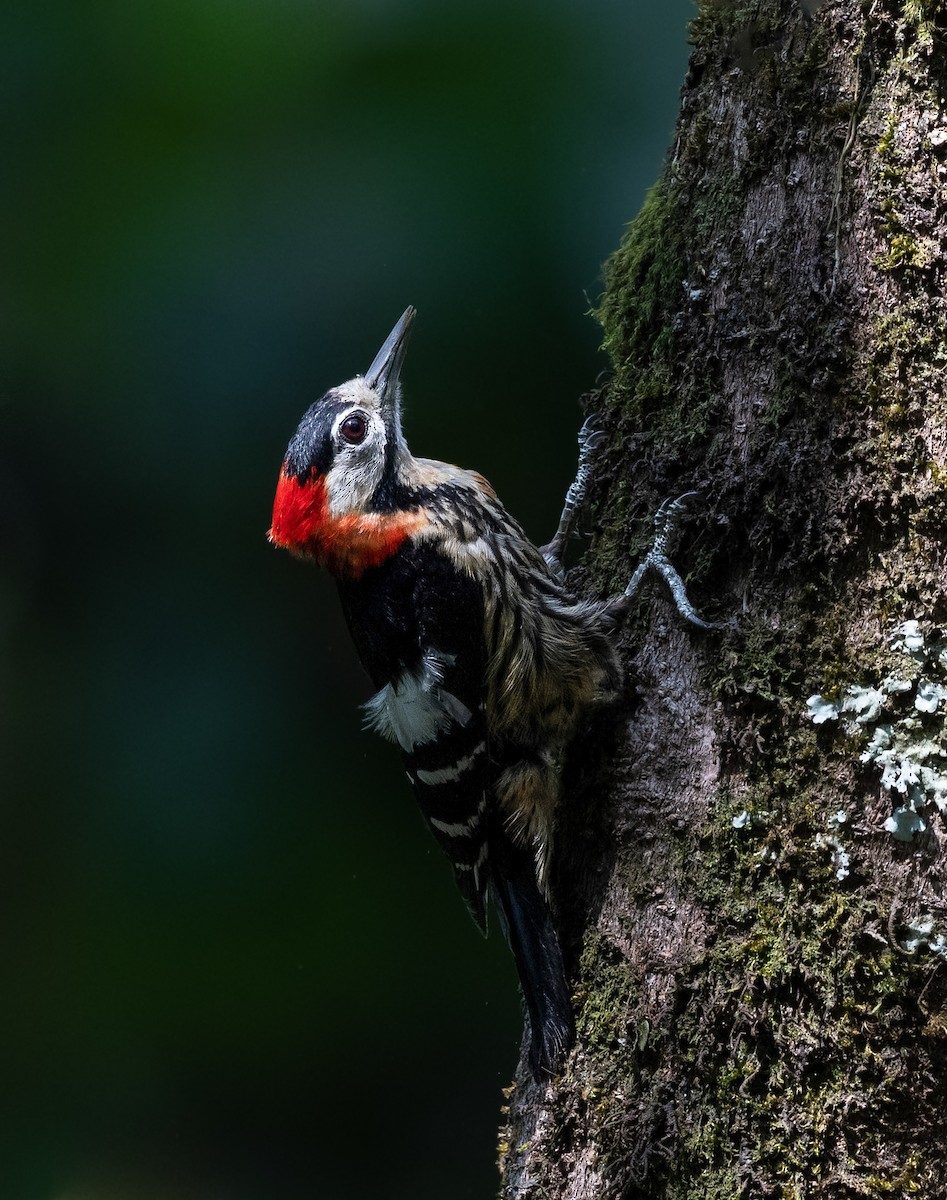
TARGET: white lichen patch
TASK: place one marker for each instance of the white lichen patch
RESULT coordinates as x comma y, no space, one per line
908,637
751,820
831,840
755,826
821,710
930,696
905,716
919,933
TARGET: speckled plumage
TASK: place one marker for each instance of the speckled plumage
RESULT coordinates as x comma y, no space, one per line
483,661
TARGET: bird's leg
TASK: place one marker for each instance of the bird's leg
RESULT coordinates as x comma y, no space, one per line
666,524
666,521
589,441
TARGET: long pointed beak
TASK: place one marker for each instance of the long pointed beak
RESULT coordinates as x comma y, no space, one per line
383,374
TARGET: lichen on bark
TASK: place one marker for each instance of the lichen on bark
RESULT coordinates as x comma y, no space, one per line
750,1023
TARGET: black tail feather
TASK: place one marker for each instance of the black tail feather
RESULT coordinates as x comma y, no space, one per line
527,924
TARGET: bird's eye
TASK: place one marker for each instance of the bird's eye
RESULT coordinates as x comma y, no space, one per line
354,428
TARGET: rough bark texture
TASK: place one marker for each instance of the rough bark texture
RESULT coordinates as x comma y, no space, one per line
761,988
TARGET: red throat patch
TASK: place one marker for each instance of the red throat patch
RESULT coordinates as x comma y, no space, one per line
346,545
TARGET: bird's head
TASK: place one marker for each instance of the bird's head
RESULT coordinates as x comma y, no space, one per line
342,462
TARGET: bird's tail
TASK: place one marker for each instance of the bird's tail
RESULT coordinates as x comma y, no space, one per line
528,926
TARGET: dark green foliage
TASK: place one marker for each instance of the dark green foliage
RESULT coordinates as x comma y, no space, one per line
232,957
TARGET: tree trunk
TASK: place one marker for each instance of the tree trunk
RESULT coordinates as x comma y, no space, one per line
758,958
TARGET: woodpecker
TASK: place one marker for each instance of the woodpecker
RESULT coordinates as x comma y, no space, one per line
483,661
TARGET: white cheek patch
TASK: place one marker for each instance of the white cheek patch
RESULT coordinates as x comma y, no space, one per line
350,484
414,709
356,470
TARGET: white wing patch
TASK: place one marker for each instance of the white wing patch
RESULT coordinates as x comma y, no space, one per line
462,828
453,773
414,708
475,867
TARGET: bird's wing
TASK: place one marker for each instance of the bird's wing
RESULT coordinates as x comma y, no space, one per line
435,711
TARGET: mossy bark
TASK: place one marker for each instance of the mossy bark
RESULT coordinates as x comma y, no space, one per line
753,1020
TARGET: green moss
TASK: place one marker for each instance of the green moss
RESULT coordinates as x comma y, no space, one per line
907,250
885,148
606,990
792,974
646,289
639,279
801,943
737,24
904,251
918,12
927,18
908,342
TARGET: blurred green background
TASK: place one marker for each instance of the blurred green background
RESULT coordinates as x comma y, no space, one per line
234,966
